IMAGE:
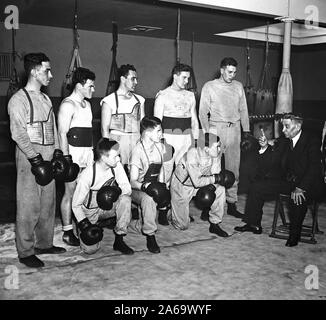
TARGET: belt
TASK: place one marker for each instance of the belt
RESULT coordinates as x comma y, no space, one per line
228,123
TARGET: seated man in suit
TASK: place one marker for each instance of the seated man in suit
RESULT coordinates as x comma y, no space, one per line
292,166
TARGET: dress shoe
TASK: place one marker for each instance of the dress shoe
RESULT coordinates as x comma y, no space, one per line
32,261
52,250
204,215
232,211
292,241
247,227
162,218
152,244
215,228
70,239
120,245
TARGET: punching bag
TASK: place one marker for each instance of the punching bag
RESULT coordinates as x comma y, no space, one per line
114,81
264,99
75,61
249,87
285,89
14,83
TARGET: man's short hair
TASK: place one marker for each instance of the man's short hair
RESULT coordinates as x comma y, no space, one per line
180,67
103,146
32,60
292,116
228,61
124,69
149,122
81,75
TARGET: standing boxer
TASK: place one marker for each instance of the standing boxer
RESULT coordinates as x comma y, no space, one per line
176,108
75,138
122,111
147,178
222,109
33,128
103,190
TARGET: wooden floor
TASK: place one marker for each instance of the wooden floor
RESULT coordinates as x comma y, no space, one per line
193,264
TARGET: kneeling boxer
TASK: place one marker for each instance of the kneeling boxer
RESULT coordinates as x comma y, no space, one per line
148,180
199,174
103,190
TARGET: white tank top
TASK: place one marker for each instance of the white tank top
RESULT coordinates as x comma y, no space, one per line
82,116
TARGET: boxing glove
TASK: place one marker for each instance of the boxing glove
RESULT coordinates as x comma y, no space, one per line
158,191
205,196
89,233
225,178
73,169
42,170
106,196
59,165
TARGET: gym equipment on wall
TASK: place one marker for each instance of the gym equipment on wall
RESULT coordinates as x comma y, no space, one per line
75,59
192,84
249,87
285,88
264,97
14,82
114,80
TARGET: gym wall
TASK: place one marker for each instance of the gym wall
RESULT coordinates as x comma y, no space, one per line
152,57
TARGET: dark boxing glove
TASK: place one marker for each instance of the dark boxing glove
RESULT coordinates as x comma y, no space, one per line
158,191
73,169
42,170
205,197
90,233
106,196
225,178
59,165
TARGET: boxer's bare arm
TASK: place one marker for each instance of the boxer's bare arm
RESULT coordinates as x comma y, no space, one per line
134,174
65,115
194,121
142,110
159,107
106,114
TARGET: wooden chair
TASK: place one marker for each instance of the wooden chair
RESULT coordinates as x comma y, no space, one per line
282,231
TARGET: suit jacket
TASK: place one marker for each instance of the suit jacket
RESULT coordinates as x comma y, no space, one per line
268,164
303,164
301,167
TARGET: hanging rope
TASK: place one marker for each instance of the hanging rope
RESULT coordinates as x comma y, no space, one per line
178,36
264,96
114,80
249,87
14,83
75,59
264,83
192,85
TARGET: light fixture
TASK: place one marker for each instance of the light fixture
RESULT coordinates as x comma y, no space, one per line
139,28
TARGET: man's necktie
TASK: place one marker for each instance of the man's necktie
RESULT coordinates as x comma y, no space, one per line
291,144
